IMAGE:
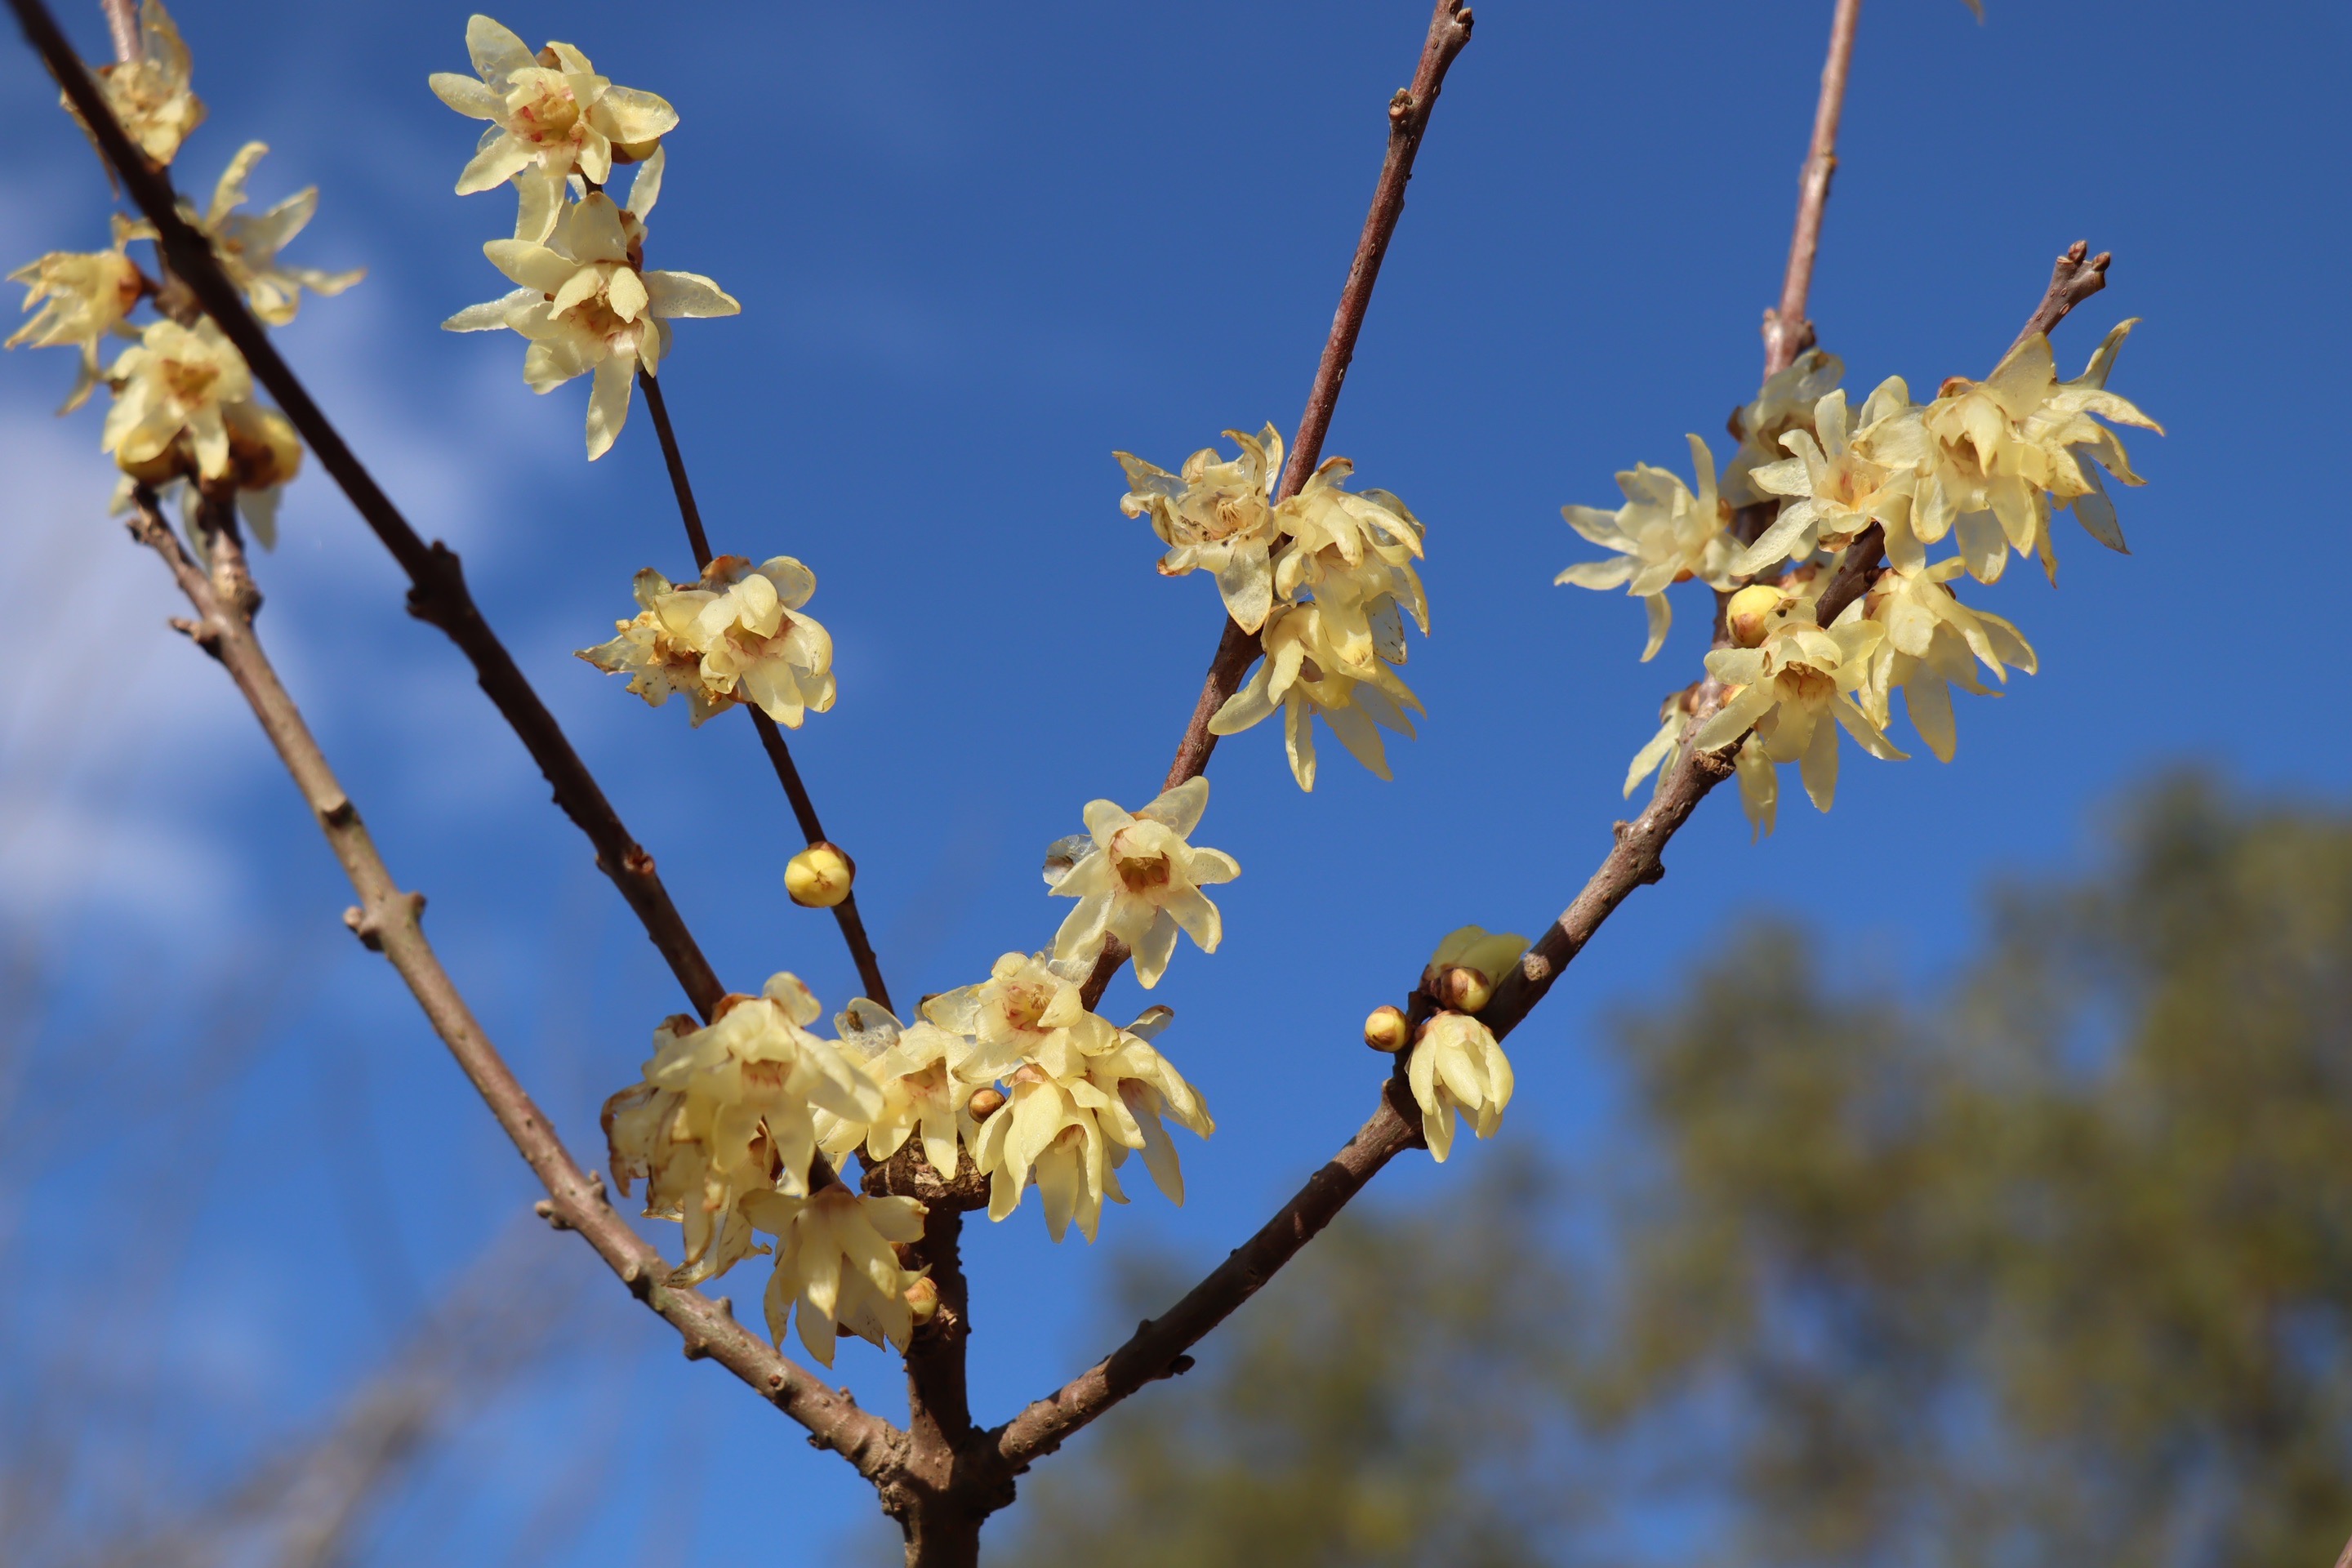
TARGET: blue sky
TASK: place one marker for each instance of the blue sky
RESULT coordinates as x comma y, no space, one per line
975,255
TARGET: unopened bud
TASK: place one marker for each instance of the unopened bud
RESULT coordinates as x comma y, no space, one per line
819,877
923,1299
1385,1029
1750,612
1457,987
987,1103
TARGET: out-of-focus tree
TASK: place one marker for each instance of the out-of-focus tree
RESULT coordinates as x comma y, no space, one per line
2057,1272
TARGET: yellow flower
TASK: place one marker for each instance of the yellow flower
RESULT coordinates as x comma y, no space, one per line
1302,675
914,1067
1833,489
83,296
1759,789
1789,685
1457,1064
1142,882
834,1264
586,306
1932,642
175,381
727,1111
150,95
1674,718
735,637
1354,552
1027,1010
1785,403
1664,534
1215,514
248,246
1075,1111
550,113
1993,454
1468,964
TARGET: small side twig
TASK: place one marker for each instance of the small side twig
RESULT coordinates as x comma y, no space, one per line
386,920
1787,332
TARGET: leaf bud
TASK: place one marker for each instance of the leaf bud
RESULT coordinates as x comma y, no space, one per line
1385,1030
1750,614
818,878
923,1299
986,1103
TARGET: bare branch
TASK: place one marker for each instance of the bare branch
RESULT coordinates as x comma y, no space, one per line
688,513
386,920
1787,332
1157,1348
438,592
2074,277
1409,111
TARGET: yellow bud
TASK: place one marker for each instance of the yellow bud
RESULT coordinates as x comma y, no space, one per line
986,1103
819,877
1457,987
633,151
1385,1030
172,462
923,1298
1749,614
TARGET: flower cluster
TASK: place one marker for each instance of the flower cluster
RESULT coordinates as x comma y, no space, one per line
1457,1066
1326,578
723,1128
1983,465
583,297
183,413
735,637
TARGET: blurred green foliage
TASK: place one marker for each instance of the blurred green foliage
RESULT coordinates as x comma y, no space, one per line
2053,1267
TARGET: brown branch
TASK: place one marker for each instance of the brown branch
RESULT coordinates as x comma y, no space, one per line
1409,111
2076,276
1157,1348
771,738
1787,332
122,25
386,920
438,593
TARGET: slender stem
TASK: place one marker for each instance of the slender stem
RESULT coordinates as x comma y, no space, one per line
771,738
1409,113
688,513
122,24
1787,332
387,920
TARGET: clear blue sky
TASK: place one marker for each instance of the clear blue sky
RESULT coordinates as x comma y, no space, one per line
977,249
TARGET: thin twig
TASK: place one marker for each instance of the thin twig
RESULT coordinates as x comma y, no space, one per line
123,23
771,738
386,920
1787,332
1409,111
438,592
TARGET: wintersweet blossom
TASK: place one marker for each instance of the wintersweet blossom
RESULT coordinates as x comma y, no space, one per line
835,1268
174,385
1934,642
1785,403
83,296
1457,1064
1832,489
1073,1116
1029,1009
150,95
1665,533
1215,514
737,635
1142,882
247,244
1302,676
727,1109
914,1067
586,306
1354,551
1787,689
550,113
1673,718
1992,456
